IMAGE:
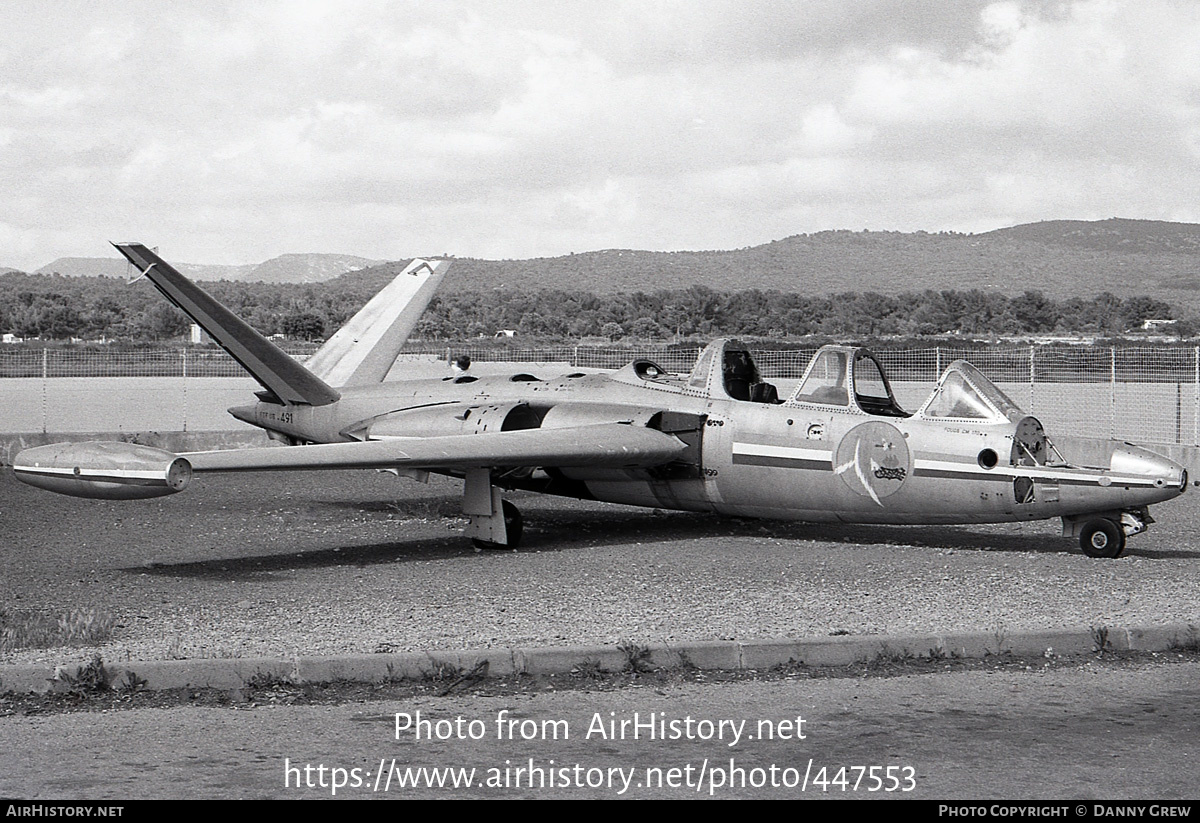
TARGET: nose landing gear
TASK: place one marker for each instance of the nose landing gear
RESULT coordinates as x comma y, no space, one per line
1104,535
1102,538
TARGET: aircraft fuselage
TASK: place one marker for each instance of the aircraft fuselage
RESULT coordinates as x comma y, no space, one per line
791,461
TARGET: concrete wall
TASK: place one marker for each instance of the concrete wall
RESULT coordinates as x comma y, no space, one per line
122,404
185,404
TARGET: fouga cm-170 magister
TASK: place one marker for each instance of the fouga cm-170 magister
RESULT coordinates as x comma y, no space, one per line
720,439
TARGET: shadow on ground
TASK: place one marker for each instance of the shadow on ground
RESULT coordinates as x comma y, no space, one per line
556,530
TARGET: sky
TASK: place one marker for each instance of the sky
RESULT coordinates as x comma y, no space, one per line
231,132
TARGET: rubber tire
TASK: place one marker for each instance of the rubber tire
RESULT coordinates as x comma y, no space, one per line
514,526
1102,538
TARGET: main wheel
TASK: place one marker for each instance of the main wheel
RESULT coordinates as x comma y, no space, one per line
514,527
1102,538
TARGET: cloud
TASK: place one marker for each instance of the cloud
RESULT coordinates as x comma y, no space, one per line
231,132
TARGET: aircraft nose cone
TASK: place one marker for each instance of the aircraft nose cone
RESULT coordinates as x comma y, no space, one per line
1162,472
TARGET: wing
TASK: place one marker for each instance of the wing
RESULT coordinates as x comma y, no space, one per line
615,445
125,471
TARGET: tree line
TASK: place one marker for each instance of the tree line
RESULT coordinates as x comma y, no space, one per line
53,307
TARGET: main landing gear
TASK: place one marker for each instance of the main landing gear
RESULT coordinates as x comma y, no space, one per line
493,523
514,527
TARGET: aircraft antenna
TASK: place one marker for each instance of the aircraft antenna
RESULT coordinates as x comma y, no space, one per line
129,281
141,274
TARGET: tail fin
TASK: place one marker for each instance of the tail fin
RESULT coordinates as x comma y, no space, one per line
363,350
278,373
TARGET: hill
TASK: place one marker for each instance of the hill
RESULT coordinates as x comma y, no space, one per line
117,267
1114,235
287,268
1061,258
305,268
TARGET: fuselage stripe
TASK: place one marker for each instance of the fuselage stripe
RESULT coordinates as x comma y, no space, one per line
767,450
940,468
789,457
781,462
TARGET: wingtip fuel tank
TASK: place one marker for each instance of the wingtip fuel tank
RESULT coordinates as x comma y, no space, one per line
103,470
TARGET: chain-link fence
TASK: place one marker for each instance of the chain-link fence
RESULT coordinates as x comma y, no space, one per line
195,362
1141,393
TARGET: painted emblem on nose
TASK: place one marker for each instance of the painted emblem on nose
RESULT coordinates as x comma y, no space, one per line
873,460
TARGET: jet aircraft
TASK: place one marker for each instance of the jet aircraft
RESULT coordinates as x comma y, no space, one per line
838,448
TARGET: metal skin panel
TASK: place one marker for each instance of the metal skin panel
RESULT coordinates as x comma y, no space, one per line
363,350
756,464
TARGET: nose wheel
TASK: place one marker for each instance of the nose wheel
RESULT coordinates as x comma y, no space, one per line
1102,538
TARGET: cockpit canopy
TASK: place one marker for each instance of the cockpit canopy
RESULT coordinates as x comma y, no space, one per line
726,367
845,376
963,393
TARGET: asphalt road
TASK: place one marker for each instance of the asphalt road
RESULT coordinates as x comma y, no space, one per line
1100,732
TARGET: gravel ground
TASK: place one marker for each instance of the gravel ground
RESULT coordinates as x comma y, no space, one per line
359,562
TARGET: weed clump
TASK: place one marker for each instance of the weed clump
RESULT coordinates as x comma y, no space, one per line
132,684
441,670
267,680
90,679
27,629
588,669
637,656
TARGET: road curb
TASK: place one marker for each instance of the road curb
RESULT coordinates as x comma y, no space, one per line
729,655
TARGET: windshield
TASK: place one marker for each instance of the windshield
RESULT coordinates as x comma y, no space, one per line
964,393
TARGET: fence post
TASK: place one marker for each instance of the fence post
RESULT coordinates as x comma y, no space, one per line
1178,412
1032,378
1196,396
45,399
185,382
1112,402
